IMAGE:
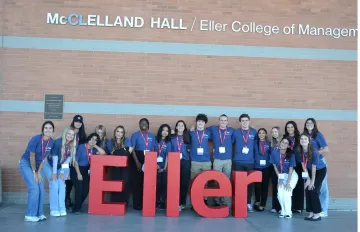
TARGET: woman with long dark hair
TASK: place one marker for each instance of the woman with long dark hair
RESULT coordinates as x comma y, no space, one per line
180,142
283,160
275,142
38,148
119,145
80,138
318,141
314,173
292,133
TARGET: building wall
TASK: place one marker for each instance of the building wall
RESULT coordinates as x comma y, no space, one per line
179,73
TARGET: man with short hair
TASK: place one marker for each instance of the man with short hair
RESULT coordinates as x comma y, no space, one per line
245,139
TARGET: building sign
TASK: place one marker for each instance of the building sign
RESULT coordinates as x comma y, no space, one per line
54,107
197,24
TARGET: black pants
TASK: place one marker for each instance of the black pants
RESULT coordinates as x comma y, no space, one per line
120,173
274,182
246,167
69,186
81,186
184,180
161,184
312,196
137,181
297,199
262,188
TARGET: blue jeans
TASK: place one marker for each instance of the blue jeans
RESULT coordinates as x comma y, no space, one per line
324,193
36,192
57,188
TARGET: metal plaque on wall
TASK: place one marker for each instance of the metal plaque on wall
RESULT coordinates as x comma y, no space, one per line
54,107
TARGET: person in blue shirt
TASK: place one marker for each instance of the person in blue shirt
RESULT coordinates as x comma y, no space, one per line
163,148
80,138
119,145
293,134
56,170
222,142
275,141
318,141
180,142
313,173
199,152
81,175
283,160
262,158
245,139
101,131
38,148
141,142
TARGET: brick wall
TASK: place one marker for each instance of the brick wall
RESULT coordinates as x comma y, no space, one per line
85,76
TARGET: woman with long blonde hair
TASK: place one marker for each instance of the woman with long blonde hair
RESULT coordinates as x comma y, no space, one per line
101,131
56,170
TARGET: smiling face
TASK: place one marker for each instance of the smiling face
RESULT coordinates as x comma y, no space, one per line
223,122
304,141
180,127
275,133
284,144
200,124
70,135
262,135
119,133
245,122
309,125
165,132
100,133
77,124
48,130
290,129
92,142
143,125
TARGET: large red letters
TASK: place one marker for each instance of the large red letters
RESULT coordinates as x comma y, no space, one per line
198,191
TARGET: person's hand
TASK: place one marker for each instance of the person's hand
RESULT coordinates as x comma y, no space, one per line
192,128
62,176
280,184
307,183
312,185
80,177
138,166
53,176
288,187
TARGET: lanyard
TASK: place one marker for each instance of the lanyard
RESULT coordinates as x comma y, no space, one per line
160,148
262,149
247,136
281,163
179,144
88,154
145,140
42,146
67,152
202,137
292,143
305,161
222,139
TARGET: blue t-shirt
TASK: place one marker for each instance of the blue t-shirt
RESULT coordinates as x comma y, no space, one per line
56,151
238,138
109,145
175,141
200,139
40,147
82,155
293,143
286,163
222,138
138,141
162,149
318,143
315,160
263,152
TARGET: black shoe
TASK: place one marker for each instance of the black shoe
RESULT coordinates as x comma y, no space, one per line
315,219
296,211
137,207
258,209
308,218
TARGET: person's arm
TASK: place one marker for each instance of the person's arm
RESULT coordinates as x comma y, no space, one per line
324,150
100,151
77,169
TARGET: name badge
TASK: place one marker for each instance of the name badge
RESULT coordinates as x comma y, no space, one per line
143,167
200,151
245,150
305,175
160,159
65,166
281,176
146,151
262,162
221,150
89,172
180,155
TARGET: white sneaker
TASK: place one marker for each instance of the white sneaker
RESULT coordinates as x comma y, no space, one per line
288,216
179,208
55,213
31,219
182,207
42,218
250,208
63,213
273,211
323,214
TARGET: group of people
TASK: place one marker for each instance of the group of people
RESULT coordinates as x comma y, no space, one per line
294,163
